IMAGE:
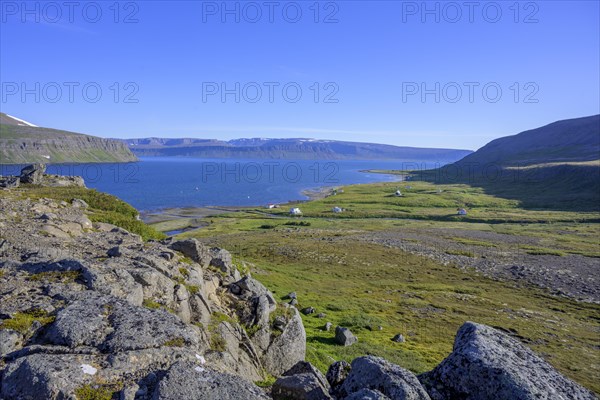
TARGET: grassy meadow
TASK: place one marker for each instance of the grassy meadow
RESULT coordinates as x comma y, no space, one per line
378,291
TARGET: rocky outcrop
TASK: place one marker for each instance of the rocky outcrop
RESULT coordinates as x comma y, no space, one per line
35,174
91,305
488,364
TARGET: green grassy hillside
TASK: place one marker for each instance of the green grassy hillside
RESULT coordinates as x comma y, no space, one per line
555,167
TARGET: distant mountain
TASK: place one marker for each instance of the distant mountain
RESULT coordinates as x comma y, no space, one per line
287,149
556,166
22,142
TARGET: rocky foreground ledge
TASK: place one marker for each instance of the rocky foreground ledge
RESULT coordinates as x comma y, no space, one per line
91,311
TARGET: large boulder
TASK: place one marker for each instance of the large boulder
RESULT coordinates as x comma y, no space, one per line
288,348
33,174
301,382
113,325
378,374
186,380
488,364
47,376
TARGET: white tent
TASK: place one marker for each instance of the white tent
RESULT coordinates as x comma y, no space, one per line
295,211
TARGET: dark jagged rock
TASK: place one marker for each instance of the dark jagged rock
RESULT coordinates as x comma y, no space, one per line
33,174
488,364
337,374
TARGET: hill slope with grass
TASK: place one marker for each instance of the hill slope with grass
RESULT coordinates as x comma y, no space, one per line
22,142
556,166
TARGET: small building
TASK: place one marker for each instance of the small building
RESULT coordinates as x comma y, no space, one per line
462,211
295,211
337,210
398,193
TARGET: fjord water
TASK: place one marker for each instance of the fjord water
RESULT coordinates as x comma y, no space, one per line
155,183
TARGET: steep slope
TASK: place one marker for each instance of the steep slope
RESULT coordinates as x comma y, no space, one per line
556,166
21,142
571,140
287,148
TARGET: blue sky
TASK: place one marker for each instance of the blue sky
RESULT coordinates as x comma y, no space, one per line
369,60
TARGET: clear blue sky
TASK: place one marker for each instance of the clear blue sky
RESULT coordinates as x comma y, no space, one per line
373,55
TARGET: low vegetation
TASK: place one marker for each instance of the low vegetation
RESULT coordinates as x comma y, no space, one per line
380,291
22,321
103,207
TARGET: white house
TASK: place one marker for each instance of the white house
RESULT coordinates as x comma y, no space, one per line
295,211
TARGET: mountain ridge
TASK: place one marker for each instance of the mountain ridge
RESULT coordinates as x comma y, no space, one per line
297,148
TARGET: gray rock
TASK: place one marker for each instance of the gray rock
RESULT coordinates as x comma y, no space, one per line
299,387
33,174
82,323
321,315
291,295
186,380
279,323
193,249
304,367
45,376
344,337
488,364
78,203
367,394
389,379
337,373
328,326
221,259
308,310
398,338
113,325
288,348
9,341
9,182
293,302
114,252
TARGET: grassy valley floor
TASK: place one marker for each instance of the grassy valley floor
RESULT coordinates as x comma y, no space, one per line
410,265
